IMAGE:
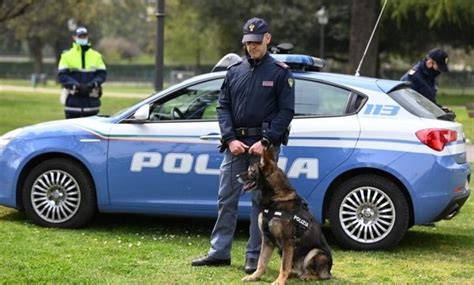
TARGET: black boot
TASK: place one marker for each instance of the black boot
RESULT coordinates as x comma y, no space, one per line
210,261
251,265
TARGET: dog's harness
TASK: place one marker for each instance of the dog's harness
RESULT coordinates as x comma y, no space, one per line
299,218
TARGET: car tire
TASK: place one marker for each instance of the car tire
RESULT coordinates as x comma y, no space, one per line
59,193
368,212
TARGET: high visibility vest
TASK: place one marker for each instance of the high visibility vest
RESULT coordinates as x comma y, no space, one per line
73,60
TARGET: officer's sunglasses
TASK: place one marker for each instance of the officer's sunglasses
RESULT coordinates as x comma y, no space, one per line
82,36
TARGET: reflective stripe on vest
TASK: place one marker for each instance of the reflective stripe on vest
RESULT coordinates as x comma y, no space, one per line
79,109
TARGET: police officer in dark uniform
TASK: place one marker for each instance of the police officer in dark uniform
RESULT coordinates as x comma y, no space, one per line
256,104
423,74
81,72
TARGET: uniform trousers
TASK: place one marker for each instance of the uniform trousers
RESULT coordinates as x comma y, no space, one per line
230,191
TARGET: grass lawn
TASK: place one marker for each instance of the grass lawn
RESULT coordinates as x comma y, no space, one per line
123,249
157,250
26,108
108,86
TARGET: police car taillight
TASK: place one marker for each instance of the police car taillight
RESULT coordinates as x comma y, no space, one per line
436,138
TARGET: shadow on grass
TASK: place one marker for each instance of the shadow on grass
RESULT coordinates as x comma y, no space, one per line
149,224
418,238
12,215
429,241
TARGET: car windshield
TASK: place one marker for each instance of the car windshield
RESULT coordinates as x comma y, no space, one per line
416,103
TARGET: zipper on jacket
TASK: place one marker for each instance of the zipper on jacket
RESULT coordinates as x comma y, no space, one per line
247,92
83,58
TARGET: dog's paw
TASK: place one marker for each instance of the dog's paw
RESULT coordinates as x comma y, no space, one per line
250,278
278,282
309,277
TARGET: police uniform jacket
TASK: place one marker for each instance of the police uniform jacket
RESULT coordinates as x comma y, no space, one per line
423,80
256,94
81,65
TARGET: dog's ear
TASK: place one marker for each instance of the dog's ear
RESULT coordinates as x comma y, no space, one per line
266,149
267,160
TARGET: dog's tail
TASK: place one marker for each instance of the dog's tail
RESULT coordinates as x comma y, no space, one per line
321,261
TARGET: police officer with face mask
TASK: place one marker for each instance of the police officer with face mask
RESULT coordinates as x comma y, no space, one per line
81,72
423,74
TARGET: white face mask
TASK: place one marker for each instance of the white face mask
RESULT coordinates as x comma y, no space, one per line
82,42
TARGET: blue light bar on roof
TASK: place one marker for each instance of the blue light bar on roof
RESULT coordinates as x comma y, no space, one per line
300,61
295,61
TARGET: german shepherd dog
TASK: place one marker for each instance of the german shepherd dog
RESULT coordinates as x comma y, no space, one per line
286,223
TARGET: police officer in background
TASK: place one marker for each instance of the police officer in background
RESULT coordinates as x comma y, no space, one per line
81,73
423,74
256,104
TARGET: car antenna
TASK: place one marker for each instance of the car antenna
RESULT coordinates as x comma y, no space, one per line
370,39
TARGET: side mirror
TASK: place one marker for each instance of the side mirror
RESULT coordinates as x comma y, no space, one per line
142,113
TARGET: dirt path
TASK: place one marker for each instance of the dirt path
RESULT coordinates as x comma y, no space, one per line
54,90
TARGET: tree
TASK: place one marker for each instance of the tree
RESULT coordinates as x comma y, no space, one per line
201,31
408,28
290,21
363,19
10,9
39,26
189,38
411,28
130,19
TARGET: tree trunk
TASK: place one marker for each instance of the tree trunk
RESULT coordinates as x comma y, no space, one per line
363,18
35,46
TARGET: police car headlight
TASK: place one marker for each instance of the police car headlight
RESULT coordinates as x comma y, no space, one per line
6,138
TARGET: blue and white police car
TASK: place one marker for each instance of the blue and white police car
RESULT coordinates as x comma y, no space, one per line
372,156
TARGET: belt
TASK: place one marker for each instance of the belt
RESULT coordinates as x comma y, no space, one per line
248,132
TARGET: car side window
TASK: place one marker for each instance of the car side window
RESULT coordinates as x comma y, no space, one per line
196,102
319,99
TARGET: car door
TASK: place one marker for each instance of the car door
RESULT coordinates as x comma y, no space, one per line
170,163
324,132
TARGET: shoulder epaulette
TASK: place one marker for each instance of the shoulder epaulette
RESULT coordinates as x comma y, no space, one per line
234,64
282,64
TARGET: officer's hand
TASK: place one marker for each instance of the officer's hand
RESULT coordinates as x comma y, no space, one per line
256,148
92,85
237,147
82,90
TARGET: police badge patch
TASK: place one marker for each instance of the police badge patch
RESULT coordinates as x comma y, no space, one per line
267,83
291,82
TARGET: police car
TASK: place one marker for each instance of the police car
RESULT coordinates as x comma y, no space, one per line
372,156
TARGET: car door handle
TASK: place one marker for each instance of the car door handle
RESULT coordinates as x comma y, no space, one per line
211,137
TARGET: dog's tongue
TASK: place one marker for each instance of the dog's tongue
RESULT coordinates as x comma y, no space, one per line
249,186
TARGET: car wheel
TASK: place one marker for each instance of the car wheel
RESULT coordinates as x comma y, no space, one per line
59,193
368,212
